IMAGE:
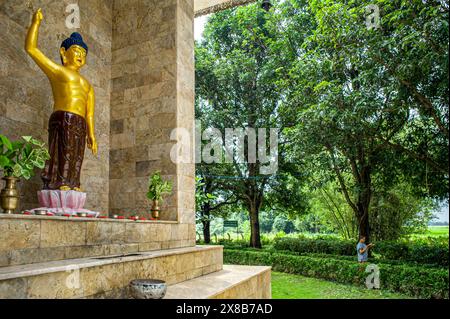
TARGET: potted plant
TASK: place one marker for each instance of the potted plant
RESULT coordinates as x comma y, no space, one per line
156,189
18,159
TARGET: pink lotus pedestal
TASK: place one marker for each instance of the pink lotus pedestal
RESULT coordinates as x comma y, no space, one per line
63,202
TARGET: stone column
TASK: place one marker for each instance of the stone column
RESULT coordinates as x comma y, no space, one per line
152,94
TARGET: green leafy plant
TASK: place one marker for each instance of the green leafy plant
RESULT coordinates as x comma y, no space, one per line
157,187
20,158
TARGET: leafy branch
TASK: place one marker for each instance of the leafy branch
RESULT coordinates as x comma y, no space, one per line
20,158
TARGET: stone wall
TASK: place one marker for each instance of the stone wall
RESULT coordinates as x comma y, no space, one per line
152,94
26,101
36,239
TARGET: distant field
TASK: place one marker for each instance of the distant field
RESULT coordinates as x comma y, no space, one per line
438,231
434,231
287,286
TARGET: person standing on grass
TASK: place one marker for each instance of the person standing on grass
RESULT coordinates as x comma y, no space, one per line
363,250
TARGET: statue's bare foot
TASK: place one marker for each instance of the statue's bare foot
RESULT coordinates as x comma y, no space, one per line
65,188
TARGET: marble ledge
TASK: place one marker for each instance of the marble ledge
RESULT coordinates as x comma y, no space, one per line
29,270
215,284
81,219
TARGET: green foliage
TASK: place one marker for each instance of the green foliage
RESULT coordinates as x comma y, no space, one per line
236,87
330,210
416,281
363,112
368,108
157,187
398,212
282,223
201,197
20,158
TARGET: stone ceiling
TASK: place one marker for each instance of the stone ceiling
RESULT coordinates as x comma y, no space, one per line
203,7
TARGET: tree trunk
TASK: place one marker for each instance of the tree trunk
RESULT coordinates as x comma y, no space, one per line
363,203
206,222
207,231
255,238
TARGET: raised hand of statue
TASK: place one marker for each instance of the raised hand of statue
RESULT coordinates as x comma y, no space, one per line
92,145
38,16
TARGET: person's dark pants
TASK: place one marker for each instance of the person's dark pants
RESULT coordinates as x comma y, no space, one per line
67,143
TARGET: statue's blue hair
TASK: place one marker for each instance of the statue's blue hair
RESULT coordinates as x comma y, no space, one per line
75,39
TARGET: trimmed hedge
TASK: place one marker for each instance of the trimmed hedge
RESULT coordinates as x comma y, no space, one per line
416,281
436,253
316,245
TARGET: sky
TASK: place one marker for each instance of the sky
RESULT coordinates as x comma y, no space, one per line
199,26
443,213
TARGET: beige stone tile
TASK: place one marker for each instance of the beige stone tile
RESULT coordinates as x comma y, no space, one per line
99,233
180,232
72,252
163,232
209,269
5,258
34,255
121,249
194,273
62,233
185,263
165,245
19,234
150,246
61,285
167,266
140,232
13,288
100,279
175,244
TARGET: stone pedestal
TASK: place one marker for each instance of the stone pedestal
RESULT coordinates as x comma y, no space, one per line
63,203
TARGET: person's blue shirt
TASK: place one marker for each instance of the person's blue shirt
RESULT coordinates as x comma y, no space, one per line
364,256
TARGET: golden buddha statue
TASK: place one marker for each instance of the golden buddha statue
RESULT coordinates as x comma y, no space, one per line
73,118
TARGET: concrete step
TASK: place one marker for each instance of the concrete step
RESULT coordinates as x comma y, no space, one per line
233,282
106,277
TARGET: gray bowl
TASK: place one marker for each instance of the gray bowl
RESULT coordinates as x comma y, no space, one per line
148,289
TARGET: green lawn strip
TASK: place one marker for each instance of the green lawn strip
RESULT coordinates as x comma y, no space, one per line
288,286
415,281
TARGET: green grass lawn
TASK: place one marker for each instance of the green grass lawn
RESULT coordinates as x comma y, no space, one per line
287,286
437,231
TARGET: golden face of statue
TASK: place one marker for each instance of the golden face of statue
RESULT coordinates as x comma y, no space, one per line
74,57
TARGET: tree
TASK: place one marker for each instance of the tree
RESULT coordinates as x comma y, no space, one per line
362,109
355,114
210,202
283,224
236,88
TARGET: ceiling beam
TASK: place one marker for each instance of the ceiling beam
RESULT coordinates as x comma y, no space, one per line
204,7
